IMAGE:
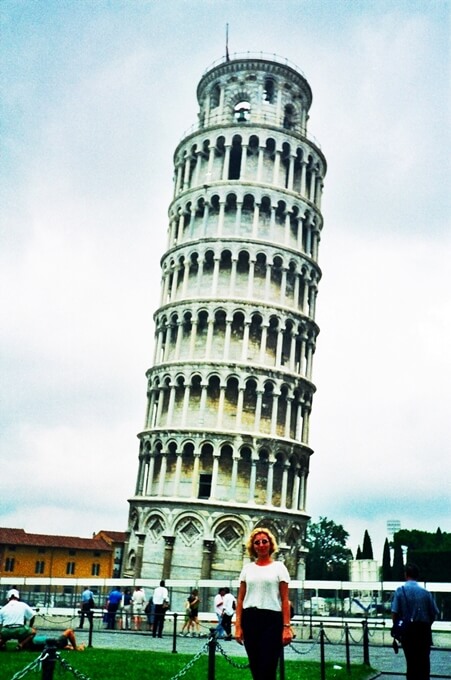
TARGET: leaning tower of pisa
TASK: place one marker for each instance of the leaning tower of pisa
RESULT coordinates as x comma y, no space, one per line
225,445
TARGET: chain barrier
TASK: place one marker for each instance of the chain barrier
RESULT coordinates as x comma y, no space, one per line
51,619
305,651
34,665
356,642
229,659
70,668
338,642
190,663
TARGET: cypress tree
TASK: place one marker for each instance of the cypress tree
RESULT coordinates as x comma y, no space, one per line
367,550
386,563
358,554
398,563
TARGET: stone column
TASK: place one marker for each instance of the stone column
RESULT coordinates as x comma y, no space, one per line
269,482
252,480
178,472
228,334
162,477
225,167
150,475
139,554
167,559
186,398
207,557
243,161
214,476
195,477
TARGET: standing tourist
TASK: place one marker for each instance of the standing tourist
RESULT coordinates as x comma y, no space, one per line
219,609
161,603
86,606
263,609
138,604
112,605
229,611
415,605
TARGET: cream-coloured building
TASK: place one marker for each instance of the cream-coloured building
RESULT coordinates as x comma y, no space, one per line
225,445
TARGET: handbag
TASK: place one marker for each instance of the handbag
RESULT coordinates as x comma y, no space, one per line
401,626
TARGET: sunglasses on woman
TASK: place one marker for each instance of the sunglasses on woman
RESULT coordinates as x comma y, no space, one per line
264,541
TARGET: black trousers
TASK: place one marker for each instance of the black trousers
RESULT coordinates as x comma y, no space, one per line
262,633
158,620
416,644
227,624
85,613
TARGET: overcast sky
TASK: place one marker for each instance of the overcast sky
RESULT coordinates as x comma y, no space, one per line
95,96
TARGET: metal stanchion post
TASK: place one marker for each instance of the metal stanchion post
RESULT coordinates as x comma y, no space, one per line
211,654
48,662
348,655
282,665
91,626
174,634
366,644
323,658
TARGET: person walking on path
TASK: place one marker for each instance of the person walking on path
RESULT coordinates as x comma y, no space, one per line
86,606
188,623
194,602
415,605
263,609
161,603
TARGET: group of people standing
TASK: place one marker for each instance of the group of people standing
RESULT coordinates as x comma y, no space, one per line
127,609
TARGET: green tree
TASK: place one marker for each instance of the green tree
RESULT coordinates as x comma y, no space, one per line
398,563
367,549
328,555
386,562
358,554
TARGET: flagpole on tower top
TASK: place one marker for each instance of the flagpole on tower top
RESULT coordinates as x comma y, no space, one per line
227,43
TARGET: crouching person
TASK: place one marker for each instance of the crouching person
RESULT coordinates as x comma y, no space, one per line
16,620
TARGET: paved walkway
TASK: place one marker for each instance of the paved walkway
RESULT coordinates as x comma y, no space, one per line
390,665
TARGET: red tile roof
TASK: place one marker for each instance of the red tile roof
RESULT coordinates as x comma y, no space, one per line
21,537
113,536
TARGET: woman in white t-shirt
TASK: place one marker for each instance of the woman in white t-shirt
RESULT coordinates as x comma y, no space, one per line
263,609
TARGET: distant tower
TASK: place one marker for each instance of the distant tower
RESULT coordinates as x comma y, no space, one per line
393,525
225,442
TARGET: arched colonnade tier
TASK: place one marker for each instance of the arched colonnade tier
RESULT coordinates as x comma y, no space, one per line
213,400
273,160
248,212
263,337
167,539
259,472
240,271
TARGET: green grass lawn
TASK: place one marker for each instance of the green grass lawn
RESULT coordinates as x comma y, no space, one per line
105,664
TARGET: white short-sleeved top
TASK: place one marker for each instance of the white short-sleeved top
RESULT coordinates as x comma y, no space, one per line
262,585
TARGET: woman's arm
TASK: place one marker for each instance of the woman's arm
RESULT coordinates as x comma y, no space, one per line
239,612
287,634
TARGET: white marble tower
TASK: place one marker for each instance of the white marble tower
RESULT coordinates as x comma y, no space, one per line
225,445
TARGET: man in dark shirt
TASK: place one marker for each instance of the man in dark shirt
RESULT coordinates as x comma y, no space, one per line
415,604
